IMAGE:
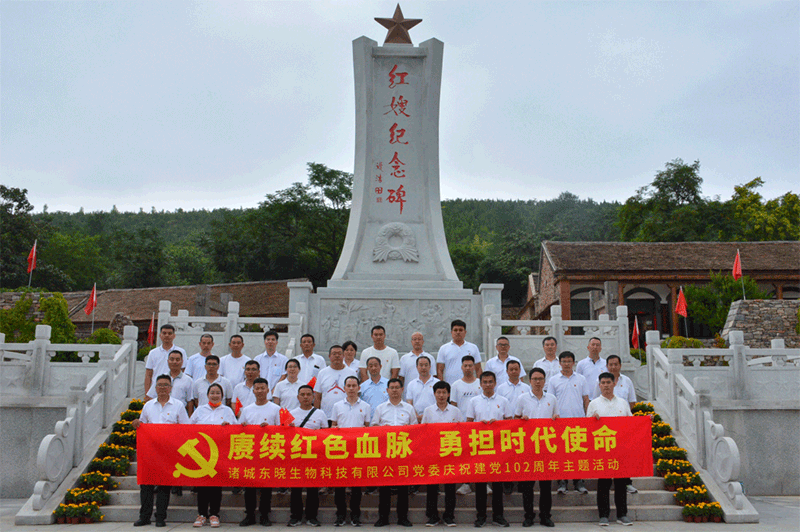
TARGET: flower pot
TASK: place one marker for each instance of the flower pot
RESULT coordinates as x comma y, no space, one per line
698,519
61,520
717,519
688,518
73,520
705,519
672,488
88,520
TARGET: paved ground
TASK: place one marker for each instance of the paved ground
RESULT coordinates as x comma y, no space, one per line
778,514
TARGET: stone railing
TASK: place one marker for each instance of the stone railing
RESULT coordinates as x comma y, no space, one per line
683,392
93,407
526,341
189,329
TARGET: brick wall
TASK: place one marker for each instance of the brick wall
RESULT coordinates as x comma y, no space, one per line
763,320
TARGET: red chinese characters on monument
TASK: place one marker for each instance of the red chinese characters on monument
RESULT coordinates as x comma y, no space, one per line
397,196
398,108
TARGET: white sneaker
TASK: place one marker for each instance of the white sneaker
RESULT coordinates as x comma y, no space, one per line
464,489
488,490
624,521
630,489
562,487
603,521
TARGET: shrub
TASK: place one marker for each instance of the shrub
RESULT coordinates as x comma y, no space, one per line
641,406
691,495
144,351
673,466
661,429
130,415
669,453
656,417
78,495
115,451
136,404
122,426
102,336
681,342
640,355
666,441
98,480
126,439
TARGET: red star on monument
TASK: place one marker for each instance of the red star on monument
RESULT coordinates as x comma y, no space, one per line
398,27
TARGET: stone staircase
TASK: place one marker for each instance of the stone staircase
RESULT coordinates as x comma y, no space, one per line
652,503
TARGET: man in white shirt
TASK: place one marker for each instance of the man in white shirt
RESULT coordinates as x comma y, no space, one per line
156,363
537,404
513,387
609,405
196,365
390,362
487,408
231,366
244,392
162,409
408,362
350,413
572,395
467,386
448,360
549,362
263,413
212,376
272,363
310,362
441,412
307,416
285,393
592,366
329,388
497,364
182,385
419,392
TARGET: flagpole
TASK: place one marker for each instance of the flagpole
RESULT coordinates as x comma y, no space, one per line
30,276
744,296
92,321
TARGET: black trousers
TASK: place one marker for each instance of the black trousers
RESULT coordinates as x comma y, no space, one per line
385,502
250,495
497,499
146,494
340,498
545,498
620,497
432,501
209,500
312,503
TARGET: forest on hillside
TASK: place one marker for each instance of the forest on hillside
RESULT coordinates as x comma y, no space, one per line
299,232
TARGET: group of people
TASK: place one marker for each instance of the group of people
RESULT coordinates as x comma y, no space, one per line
380,389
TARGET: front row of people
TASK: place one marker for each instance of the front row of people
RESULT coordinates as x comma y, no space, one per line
351,412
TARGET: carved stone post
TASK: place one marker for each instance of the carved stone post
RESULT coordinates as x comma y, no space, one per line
702,390
130,336
39,358
164,311
651,340
232,325
739,364
623,336
555,319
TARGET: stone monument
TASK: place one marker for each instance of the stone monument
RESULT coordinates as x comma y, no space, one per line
395,268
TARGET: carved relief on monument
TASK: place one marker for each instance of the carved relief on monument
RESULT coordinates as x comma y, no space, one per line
395,241
353,319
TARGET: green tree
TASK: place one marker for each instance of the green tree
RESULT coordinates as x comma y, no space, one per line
759,220
138,259
18,230
188,263
78,256
18,323
709,303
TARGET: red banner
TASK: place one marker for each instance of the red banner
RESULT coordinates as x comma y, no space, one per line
212,455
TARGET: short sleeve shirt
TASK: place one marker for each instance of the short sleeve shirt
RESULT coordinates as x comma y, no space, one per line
394,415
498,367
309,367
421,393
254,414
461,392
408,365
318,419
550,367
492,408
196,366
287,393
330,384
201,388
616,407
450,355
623,389
349,415
450,414
531,407
157,360
182,388
173,411
591,371
569,392
375,393
389,359
205,415
233,368
272,367
512,391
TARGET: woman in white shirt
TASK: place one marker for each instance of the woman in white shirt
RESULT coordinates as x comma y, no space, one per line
350,350
209,499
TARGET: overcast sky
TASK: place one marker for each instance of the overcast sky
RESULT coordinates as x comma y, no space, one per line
171,104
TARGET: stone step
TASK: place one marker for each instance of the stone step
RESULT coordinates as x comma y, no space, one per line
369,514
570,499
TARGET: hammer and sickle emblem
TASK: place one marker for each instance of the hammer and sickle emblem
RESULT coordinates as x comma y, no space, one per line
206,466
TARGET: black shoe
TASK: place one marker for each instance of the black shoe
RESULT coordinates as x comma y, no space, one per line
355,521
160,523
546,521
500,521
313,522
339,521
480,522
381,522
294,522
449,521
247,521
142,522
527,523
265,521
433,521
404,522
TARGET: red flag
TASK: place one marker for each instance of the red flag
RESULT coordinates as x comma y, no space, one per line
32,258
680,308
237,407
92,303
737,267
312,382
151,331
286,417
635,335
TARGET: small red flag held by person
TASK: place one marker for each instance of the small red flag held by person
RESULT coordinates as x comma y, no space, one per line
635,335
680,308
151,331
32,258
737,267
286,417
237,407
92,303
312,382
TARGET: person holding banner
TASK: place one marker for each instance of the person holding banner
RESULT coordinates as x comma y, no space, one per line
162,409
394,412
489,407
441,412
209,498
263,413
310,417
609,405
536,404
350,412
